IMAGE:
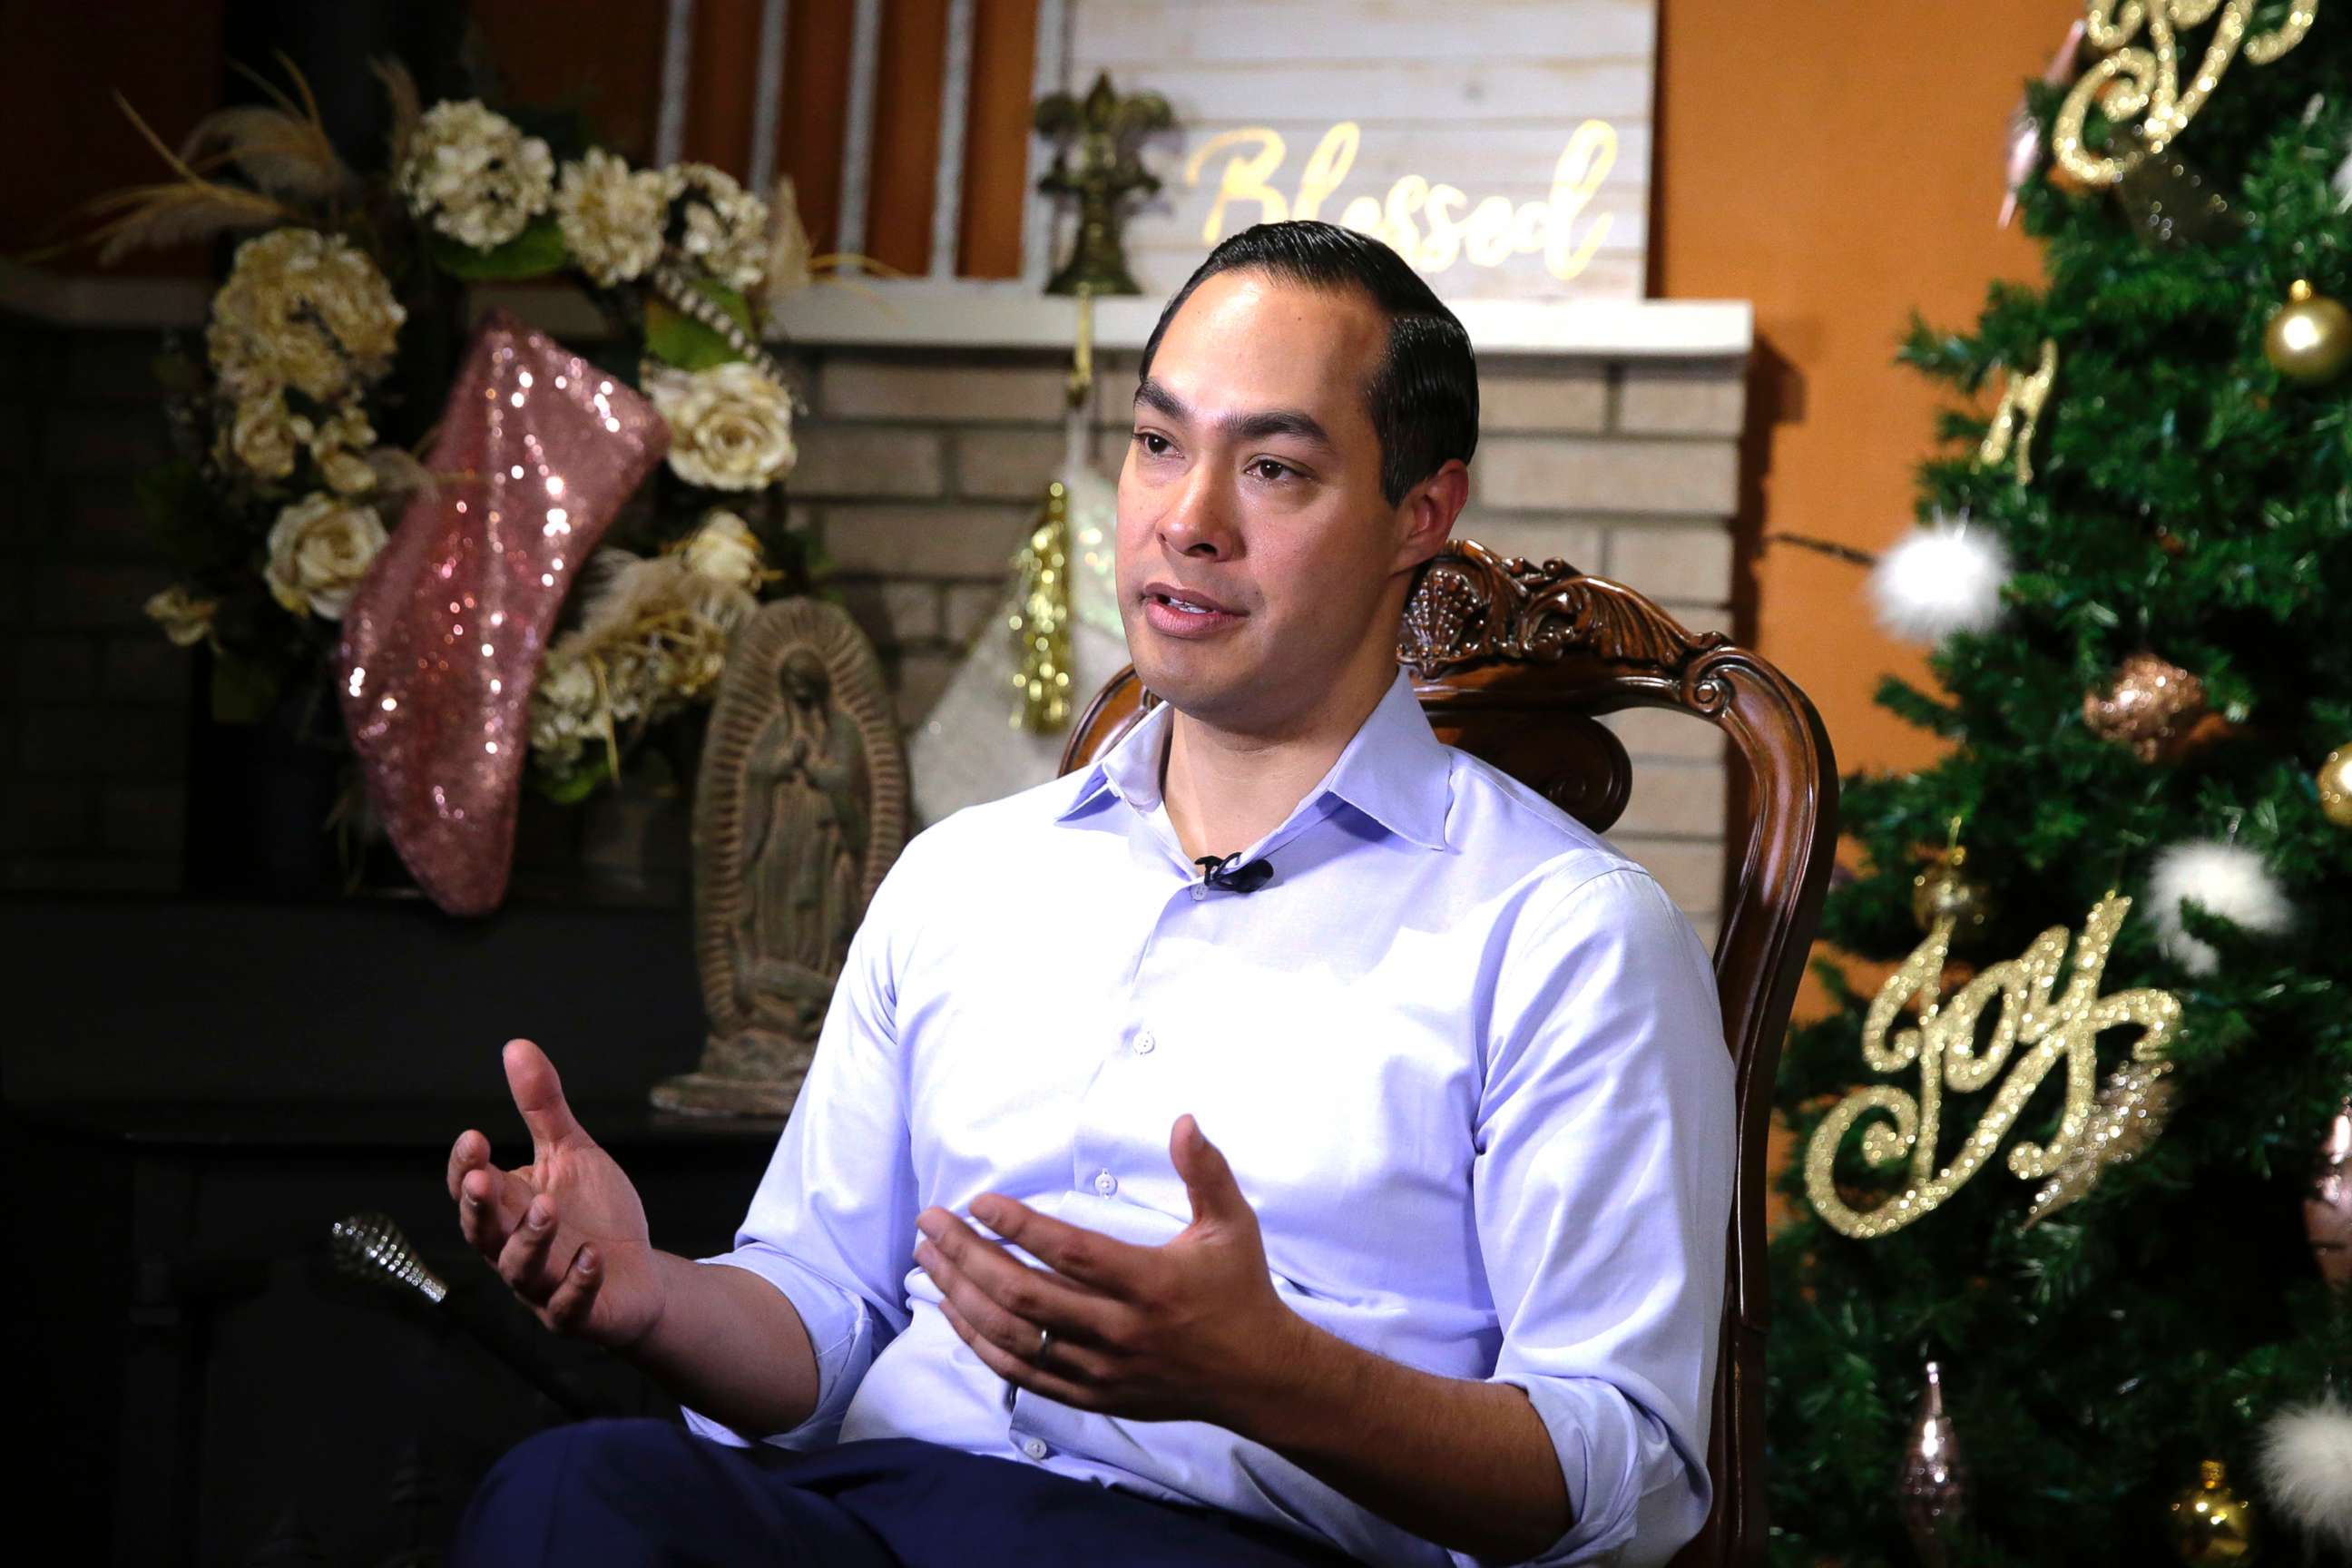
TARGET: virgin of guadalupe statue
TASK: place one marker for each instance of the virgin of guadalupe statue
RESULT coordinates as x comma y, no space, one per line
800,808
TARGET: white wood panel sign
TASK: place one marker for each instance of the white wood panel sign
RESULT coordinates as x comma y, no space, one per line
1502,146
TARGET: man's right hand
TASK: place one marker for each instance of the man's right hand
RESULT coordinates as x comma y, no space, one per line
566,1231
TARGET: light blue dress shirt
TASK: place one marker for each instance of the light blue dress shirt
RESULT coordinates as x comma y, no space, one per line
1465,1060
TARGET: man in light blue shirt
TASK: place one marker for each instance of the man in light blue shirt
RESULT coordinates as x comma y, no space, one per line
1287,1140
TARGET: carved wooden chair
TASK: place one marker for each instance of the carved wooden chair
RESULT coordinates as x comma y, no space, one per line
1513,662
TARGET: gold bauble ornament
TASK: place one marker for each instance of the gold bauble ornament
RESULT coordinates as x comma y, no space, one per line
2336,786
2044,1029
2155,707
1943,891
2310,340
2210,1523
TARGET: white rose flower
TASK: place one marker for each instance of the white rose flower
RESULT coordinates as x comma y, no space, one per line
264,436
475,175
725,548
318,550
612,218
304,310
730,427
185,619
726,226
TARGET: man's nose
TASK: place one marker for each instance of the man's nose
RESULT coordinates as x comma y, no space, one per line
1199,522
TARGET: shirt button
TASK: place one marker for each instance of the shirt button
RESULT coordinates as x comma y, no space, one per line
1144,1042
1105,1184
1034,1448
1198,892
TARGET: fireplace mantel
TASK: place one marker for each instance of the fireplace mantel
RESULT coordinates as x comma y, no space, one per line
864,313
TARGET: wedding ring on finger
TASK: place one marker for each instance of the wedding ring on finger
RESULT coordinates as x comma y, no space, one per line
1044,1339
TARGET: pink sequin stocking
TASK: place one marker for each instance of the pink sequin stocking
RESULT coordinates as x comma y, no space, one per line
441,644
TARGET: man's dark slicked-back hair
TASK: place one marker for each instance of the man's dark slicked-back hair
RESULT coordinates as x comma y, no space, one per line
1423,394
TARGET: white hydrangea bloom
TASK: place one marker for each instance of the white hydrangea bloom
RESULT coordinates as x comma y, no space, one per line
303,309
726,226
474,175
612,216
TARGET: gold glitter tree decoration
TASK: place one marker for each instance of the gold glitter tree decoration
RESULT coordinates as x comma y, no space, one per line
2022,393
2145,79
2034,1032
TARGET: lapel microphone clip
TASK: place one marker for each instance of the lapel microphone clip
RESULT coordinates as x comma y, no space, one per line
1218,871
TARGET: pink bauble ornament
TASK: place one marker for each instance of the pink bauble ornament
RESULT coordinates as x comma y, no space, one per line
441,645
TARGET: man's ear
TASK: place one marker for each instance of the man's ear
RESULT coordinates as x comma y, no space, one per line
1429,511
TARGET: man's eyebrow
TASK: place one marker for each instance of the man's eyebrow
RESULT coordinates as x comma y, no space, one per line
1292,422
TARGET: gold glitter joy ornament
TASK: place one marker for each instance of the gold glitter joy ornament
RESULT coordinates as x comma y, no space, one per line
2336,786
2309,342
2210,1523
2035,1031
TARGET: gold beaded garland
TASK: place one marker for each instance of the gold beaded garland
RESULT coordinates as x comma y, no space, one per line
1945,1048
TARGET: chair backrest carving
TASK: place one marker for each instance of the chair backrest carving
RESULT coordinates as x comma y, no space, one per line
1516,662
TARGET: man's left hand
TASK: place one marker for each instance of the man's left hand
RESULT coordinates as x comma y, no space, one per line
1189,1331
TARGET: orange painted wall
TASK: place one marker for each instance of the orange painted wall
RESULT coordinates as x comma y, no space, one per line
1839,163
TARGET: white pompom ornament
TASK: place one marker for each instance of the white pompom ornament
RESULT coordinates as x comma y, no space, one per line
2224,879
1938,579
2306,1468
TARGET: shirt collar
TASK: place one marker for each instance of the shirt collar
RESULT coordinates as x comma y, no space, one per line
1395,769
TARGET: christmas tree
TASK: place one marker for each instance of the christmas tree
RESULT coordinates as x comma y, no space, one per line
2084,1192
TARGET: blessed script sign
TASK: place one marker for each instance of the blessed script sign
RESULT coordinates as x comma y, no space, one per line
1502,146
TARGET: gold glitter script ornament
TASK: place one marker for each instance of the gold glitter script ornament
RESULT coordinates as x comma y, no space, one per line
2019,411
2309,342
2133,78
2210,1523
2336,786
1944,1046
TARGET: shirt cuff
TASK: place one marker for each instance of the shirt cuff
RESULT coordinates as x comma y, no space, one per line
1634,1496
840,1330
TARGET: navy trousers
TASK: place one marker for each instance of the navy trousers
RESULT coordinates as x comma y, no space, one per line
649,1491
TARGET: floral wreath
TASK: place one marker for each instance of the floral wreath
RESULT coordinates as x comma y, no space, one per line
279,499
